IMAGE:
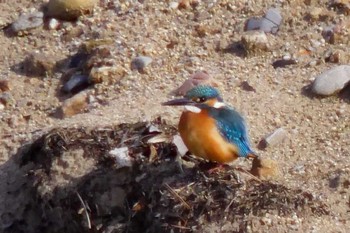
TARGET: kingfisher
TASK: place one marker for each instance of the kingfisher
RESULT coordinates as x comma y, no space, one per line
211,129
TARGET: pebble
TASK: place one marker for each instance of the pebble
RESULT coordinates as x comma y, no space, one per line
7,99
264,168
283,63
188,3
39,64
4,85
54,24
106,74
270,23
72,33
247,87
315,12
337,56
28,21
312,63
75,104
276,137
198,78
254,42
76,83
3,24
315,43
139,63
69,9
173,5
332,80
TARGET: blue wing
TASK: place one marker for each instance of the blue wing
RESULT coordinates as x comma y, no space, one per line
232,127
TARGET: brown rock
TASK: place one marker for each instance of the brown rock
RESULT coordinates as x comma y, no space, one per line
188,3
4,85
315,13
75,105
69,9
264,168
203,30
90,45
255,42
198,78
337,56
38,64
72,33
106,74
7,99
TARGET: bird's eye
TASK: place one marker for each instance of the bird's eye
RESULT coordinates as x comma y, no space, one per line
200,99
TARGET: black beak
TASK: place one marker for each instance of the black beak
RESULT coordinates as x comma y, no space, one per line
178,102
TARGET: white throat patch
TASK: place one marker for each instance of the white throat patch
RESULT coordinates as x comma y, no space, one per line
192,109
219,104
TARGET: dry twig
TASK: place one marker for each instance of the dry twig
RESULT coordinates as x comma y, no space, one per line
85,210
172,191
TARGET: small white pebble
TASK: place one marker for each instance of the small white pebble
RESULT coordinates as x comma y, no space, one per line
54,24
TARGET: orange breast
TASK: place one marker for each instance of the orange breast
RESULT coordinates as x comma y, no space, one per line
202,138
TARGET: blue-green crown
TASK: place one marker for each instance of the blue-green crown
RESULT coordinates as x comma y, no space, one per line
203,91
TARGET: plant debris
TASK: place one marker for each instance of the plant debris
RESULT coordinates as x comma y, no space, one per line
154,195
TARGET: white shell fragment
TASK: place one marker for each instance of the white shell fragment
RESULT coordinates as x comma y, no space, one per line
121,156
180,145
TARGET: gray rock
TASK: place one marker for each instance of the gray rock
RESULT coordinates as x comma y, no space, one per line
276,137
76,82
332,80
253,24
270,23
139,63
28,21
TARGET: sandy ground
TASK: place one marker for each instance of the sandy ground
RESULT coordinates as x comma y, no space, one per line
315,157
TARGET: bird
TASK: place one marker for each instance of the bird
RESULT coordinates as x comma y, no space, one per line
210,128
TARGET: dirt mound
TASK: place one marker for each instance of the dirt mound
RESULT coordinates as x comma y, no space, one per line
72,184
